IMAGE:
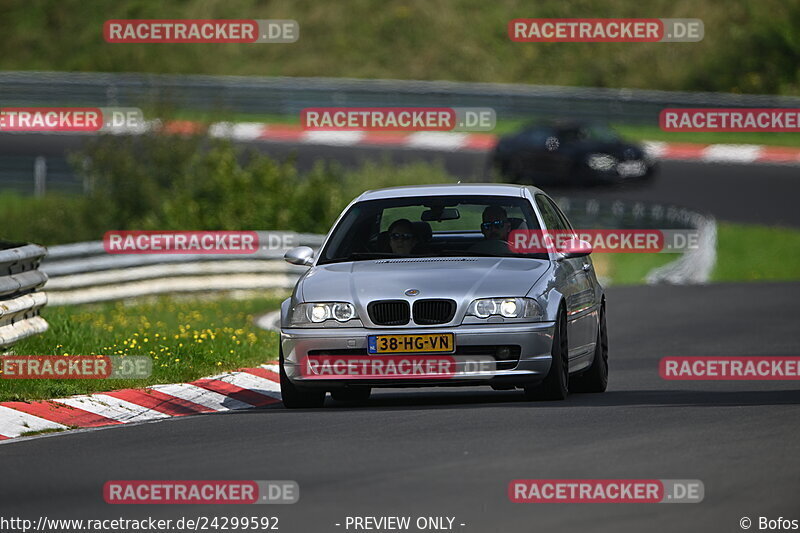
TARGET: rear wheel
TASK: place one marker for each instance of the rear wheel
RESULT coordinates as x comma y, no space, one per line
295,397
596,378
355,394
556,385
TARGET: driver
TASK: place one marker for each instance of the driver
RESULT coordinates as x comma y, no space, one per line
402,238
495,228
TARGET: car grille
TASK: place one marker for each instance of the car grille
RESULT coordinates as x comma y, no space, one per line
389,312
434,311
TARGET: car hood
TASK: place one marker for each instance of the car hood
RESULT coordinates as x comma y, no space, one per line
461,279
620,150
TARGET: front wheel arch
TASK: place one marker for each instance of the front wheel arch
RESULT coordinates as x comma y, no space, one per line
555,385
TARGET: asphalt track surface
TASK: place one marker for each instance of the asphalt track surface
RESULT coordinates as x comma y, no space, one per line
452,452
757,193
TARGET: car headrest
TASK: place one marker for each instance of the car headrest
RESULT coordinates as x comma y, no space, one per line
422,230
517,223
382,242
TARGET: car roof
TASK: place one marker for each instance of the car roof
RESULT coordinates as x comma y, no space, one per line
449,189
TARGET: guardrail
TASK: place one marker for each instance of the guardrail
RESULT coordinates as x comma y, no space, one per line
694,266
19,300
283,95
85,272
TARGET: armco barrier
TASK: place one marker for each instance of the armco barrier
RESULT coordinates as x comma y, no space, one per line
84,272
19,300
694,266
283,95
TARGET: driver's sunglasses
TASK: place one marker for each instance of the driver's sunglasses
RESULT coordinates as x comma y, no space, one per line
401,236
486,226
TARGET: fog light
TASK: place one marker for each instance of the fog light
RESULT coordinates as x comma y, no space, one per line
503,353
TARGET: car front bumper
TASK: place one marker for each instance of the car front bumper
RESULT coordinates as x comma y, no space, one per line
533,339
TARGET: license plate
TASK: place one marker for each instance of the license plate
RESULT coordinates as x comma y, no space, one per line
429,343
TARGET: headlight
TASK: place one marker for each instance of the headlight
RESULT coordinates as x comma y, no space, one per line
601,162
343,311
312,314
506,307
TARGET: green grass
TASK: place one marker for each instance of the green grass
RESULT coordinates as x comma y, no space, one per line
67,218
45,431
654,133
757,253
748,46
745,252
187,339
630,269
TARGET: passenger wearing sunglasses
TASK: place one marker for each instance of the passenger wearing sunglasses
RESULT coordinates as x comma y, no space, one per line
495,228
402,238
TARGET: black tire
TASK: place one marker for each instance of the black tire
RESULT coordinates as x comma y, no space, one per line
556,385
596,378
295,397
355,394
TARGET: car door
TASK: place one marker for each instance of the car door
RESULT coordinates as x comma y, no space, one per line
562,147
534,155
576,283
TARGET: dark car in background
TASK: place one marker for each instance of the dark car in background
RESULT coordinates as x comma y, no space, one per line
570,154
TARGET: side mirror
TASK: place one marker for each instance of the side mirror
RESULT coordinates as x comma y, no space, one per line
575,248
302,255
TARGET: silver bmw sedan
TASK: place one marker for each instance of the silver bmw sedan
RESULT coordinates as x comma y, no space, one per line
444,285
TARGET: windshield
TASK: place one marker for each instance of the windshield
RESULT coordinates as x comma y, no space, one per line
443,226
592,132
601,133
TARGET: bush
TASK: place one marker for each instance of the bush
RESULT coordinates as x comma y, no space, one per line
159,182
52,219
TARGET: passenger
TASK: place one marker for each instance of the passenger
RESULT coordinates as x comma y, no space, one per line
402,238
